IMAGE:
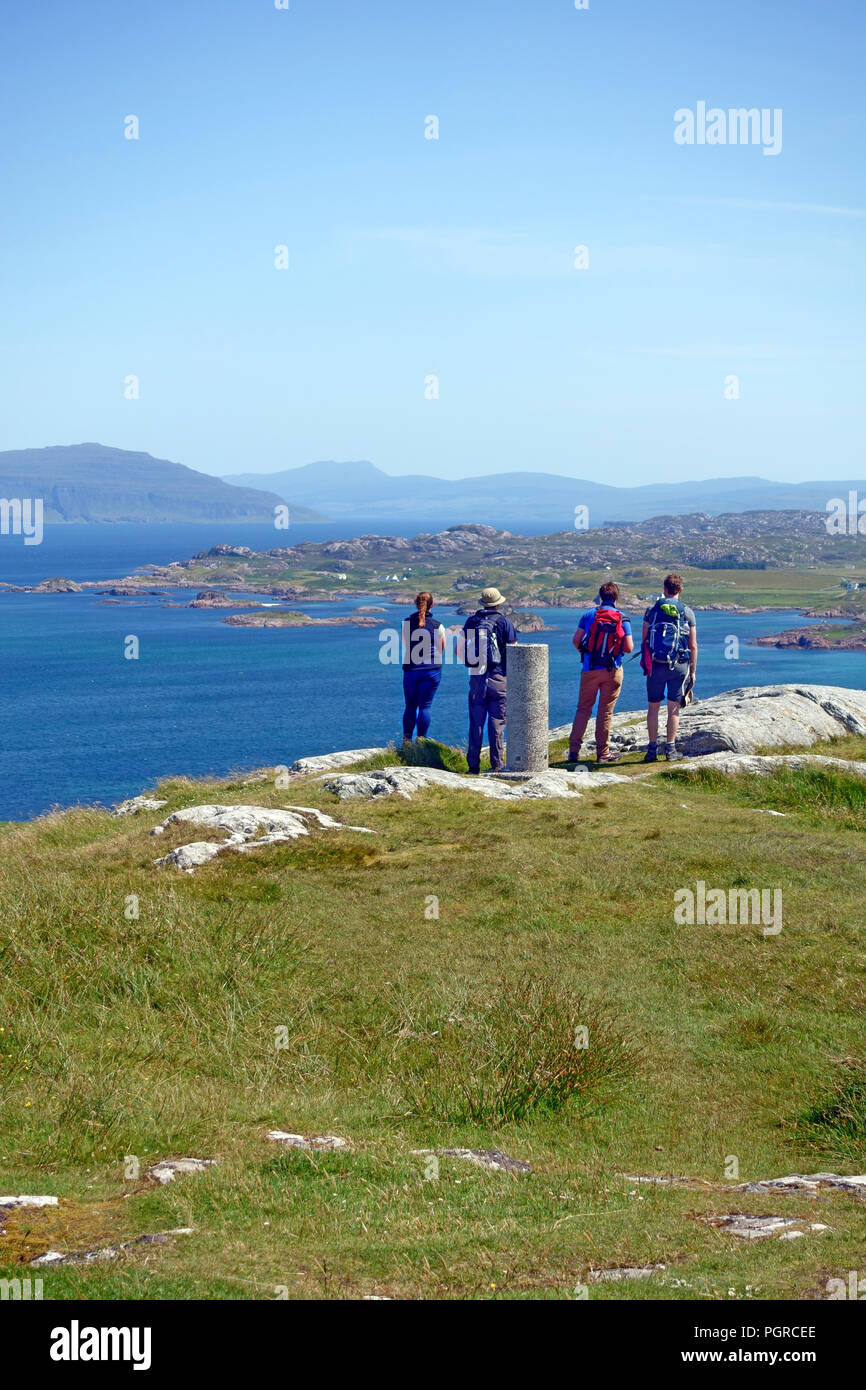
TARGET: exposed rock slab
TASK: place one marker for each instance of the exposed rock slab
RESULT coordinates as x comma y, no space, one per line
736,764
483,1158
772,716
191,857
406,781
245,828
612,1276
27,1201
136,804
752,717
664,1181
741,721
810,1184
108,1252
328,762
320,1142
167,1169
737,1223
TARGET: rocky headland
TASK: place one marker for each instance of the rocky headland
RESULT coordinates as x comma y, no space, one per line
843,638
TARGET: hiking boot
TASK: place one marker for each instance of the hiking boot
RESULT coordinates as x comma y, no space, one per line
609,758
672,755
652,753
572,756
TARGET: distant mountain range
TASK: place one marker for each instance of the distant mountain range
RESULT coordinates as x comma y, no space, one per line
91,482
362,492
95,483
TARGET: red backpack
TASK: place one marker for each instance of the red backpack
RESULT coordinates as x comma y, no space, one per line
604,640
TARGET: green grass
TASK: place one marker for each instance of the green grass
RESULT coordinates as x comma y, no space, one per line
431,979
423,752
825,796
837,1122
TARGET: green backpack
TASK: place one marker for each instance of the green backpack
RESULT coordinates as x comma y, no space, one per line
668,635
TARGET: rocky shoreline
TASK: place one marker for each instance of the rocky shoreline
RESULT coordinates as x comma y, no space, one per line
819,639
740,721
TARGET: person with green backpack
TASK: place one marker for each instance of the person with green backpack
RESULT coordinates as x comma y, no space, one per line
669,660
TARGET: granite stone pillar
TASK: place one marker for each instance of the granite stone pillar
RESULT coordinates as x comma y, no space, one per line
526,723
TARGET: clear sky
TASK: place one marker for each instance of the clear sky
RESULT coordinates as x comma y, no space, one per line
412,257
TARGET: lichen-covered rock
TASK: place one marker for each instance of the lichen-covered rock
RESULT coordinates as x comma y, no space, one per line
609,1276
736,764
190,857
136,804
752,717
737,1223
320,1142
108,1252
808,1183
245,828
328,762
482,1158
167,1169
406,781
27,1201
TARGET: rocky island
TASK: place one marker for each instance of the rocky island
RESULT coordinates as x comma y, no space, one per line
738,563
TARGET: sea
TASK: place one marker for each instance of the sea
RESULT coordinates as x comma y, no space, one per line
82,723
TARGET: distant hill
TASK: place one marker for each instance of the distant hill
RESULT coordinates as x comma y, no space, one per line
91,482
363,492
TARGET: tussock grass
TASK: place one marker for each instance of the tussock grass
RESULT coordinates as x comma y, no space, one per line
423,752
836,1123
516,1052
317,986
822,794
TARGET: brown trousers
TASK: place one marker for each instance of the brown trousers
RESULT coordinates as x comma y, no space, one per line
606,685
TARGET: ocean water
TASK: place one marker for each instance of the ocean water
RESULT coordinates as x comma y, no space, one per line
81,723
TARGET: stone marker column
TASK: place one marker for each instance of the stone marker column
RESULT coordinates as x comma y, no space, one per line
526,716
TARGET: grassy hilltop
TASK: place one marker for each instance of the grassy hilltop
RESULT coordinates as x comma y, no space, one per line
155,1037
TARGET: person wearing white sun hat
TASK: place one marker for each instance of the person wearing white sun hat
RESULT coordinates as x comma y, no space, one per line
487,633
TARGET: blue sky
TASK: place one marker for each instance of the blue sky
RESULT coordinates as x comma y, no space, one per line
453,257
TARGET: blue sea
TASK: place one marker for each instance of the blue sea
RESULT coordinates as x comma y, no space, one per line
81,723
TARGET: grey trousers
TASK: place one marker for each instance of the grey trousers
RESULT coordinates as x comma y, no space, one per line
486,704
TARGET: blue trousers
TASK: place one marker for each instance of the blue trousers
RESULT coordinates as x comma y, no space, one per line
487,704
419,688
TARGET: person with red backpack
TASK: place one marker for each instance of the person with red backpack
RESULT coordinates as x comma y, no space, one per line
603,637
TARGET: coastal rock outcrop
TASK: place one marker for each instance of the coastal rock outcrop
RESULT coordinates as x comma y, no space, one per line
753,717
406,781
735,764
246,828
57,585
327,762
215,598
290,617
136,804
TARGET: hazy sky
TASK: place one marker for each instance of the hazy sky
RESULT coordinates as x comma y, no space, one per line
454,257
